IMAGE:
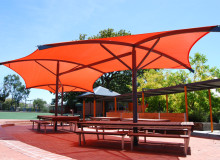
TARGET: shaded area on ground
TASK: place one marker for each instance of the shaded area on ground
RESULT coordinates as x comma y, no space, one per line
66,144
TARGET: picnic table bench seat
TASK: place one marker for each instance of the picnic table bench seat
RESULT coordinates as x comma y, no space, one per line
141,134
154,129
117,133
39,123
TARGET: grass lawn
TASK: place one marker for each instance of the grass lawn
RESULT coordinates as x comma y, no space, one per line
21,115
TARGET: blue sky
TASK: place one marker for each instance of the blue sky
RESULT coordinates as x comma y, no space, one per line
24,24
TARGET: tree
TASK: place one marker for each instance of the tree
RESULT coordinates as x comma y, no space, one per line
3,94
14,87
198,102
39,103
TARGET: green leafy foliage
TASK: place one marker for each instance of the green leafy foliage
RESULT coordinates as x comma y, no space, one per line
40,104
12,86
198,101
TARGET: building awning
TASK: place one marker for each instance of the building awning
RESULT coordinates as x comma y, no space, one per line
210,84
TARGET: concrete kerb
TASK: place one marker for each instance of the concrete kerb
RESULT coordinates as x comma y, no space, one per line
207,134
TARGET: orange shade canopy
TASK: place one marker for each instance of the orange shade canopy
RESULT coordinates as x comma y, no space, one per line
81,63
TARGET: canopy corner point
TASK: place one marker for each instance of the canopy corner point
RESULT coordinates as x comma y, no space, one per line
191,70
41,47
215,29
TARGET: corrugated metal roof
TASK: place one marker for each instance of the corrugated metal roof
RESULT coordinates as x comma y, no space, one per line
210,84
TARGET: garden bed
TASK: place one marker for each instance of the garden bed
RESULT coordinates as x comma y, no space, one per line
205,126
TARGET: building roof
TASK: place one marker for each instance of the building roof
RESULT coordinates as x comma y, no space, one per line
210,84
99,92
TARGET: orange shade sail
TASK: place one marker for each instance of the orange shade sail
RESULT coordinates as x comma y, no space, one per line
81,63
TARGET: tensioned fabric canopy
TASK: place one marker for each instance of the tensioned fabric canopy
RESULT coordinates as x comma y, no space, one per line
78,64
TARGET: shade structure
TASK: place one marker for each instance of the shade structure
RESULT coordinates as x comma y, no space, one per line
76,65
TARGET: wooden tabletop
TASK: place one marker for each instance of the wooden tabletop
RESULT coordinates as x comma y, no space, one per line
140,123
146,120
58,118
106,118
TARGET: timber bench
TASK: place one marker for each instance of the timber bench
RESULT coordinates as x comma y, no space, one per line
117,133
185,137
164,130
154,129
39,123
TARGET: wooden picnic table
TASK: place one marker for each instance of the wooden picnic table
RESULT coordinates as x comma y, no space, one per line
55,119
140,125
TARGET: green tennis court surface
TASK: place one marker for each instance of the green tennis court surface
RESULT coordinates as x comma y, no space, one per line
21,115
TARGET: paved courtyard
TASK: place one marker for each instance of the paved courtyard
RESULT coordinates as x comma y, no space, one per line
19,141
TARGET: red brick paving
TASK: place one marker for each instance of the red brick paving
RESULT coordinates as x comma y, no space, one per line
66,144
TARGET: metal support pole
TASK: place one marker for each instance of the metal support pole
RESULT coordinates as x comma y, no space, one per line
143,102
84,109
115,104
134,92
94,108
210,107
134,85
62,102
167,102
186,103
103,105
57,88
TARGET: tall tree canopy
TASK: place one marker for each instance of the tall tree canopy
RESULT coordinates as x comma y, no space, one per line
14,88
4,93
39,104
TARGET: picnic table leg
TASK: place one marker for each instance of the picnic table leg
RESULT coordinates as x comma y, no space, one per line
97,134
62,124
103,137
122,143
83,135
55,126
38,126
71,126
186,144
44,128
84,141
75,125
79,139
132,142
145,131
33,126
